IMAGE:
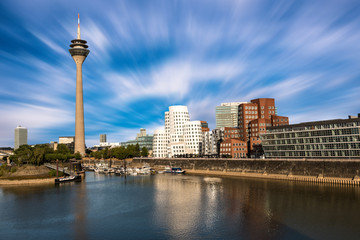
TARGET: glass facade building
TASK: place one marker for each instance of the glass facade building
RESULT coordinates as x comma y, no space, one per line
339,138
227,114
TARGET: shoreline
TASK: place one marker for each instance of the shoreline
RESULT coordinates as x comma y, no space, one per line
297,178
34,181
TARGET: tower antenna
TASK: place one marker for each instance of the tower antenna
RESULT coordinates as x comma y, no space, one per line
78,30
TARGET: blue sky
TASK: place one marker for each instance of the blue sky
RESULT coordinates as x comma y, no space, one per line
148,55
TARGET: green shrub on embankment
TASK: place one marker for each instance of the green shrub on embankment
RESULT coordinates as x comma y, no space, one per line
6,170
52,173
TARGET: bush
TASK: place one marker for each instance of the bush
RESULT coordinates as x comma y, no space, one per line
52,173
13,169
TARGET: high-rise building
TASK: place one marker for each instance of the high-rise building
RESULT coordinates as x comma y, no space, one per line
102,138
20,136
79,52
227,114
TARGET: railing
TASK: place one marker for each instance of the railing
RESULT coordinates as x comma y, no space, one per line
256,159
60,169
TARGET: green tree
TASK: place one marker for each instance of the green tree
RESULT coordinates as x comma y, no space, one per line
23,155
137,150
63,149
78,156
144,152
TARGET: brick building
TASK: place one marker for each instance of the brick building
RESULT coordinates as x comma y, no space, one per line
233,147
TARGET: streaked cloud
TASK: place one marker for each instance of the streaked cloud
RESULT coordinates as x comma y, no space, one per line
145,56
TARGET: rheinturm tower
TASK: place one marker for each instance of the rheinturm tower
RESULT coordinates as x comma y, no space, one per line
79,52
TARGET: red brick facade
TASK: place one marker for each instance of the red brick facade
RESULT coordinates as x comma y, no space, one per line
234,147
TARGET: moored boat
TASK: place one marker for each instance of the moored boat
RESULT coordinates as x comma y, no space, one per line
73,178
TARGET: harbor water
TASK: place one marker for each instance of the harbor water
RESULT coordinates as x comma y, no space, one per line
166,206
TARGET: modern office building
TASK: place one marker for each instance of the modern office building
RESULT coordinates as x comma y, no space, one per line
21,135
103,138
143,139
227,114
79,52
338,138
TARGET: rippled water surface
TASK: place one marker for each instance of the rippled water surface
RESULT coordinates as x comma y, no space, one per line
179,207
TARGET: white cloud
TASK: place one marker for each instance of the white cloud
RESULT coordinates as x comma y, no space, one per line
173,79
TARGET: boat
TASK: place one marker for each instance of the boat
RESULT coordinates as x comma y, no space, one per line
73,178
177,170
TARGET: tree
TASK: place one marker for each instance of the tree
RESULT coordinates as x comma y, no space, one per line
23,154
137,150
63,149
144,152
77,156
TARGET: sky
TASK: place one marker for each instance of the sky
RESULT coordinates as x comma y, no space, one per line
148,55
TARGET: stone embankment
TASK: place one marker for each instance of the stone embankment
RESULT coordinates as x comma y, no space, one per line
340,171
27,181
27,175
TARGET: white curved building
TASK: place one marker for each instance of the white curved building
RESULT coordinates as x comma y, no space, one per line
181,136
193,137
175,119
160,142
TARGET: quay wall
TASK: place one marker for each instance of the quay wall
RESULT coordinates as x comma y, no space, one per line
324,170
314,167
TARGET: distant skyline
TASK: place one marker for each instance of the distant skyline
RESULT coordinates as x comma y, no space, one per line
148,55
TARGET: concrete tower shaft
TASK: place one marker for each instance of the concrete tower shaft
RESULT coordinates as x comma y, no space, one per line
79,52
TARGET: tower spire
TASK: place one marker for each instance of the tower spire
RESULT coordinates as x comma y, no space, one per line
78,30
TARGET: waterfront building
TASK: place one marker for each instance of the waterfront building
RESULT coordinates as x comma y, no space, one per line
160,143
193,137
79,52
227,114
181,137
102,138
21,135
175,119
143,139
254,118
209,144
234,148
230,132
337,138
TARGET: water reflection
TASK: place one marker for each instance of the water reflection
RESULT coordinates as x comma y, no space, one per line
80,212
179,207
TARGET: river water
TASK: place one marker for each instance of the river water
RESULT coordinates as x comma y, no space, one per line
179,207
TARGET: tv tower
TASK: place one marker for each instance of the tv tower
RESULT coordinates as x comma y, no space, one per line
79,52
